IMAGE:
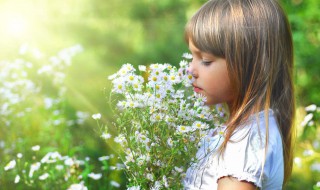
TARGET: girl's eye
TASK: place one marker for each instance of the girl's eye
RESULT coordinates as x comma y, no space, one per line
206,63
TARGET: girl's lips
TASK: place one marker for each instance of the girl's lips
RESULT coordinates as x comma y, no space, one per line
196,89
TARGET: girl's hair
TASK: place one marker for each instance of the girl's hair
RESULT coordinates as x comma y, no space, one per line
254,37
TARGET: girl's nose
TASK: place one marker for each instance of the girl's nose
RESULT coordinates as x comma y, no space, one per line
192,70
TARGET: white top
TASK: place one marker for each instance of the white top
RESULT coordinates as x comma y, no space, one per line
243,158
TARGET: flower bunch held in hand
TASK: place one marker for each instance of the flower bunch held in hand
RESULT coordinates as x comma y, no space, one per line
160,123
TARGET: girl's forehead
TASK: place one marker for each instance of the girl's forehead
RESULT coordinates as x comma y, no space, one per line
196,50
192,47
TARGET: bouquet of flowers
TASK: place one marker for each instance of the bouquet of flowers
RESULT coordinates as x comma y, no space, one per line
160,123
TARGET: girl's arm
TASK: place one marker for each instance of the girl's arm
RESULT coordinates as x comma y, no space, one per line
230,183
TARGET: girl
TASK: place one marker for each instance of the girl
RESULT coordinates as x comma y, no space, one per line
243,56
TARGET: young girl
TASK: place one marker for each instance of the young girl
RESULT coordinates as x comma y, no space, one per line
243,56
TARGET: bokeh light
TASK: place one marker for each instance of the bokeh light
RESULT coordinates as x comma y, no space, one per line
14,25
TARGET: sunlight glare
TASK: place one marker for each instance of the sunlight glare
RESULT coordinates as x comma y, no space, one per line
16,26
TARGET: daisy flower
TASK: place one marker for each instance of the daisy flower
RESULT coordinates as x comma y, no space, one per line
183,129
187,55
10,165
142,68
95,176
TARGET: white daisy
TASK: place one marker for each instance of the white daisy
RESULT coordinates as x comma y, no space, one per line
34,167
105,135
35,148
17,179
170,142
174,78
149,176
51,157
165,181
141,160
113,76
120,139
131,104
114,184
156,117
10,165
95,176
307,119
129,158
59,167
142,67
125,69
183,129
102,158
132,79
187,56
119,86
79,186
178,169
311,108
143,138
199,125
157,186
134,188
153,80
44,176
121,105
157,66
137,86
96,116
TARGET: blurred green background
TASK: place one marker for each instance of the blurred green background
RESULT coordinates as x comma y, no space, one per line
114,32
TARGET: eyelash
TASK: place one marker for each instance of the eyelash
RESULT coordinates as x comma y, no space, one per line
206,63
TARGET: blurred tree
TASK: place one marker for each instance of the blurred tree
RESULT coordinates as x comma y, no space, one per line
304,16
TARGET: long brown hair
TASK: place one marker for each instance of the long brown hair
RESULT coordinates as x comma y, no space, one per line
255,38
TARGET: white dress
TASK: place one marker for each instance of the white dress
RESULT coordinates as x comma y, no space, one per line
243,158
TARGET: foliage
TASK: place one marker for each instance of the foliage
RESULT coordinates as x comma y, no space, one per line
307,154
34,113
304,17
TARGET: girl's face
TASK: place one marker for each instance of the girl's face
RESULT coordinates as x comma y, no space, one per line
211,77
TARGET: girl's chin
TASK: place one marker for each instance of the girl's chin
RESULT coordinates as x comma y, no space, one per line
210,103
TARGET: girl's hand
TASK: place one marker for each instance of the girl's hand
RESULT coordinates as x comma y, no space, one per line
231,183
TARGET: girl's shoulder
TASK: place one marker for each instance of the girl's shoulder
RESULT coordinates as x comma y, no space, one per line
259,127
250,157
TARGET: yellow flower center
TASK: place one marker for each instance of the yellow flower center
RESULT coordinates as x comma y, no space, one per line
154,78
